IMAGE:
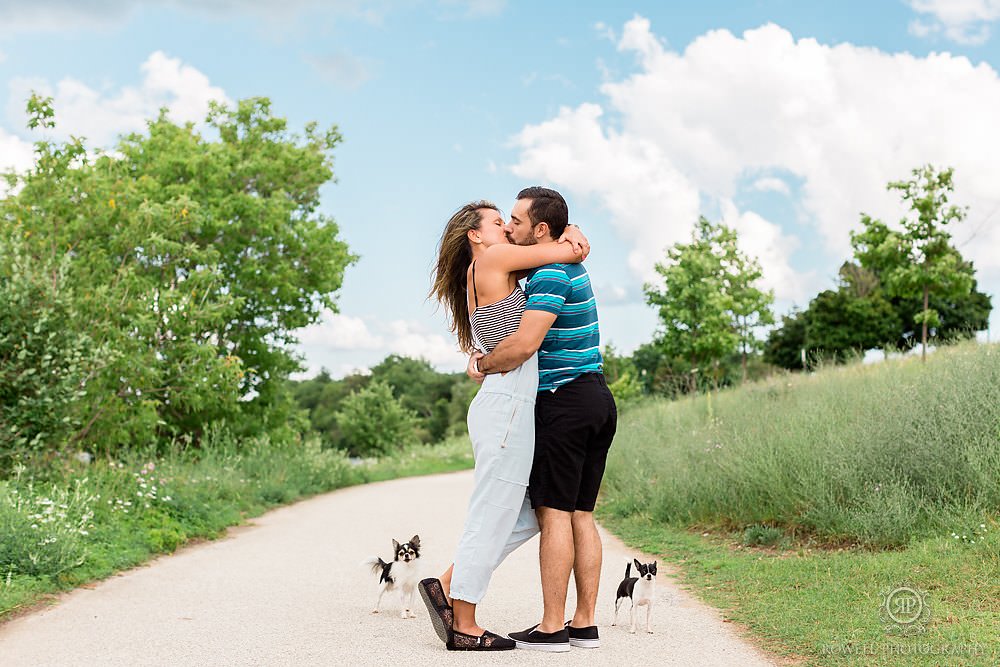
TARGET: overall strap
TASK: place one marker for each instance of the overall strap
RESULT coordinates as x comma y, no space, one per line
475,295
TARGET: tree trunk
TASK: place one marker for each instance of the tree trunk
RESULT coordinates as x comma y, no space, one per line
744,350
693,382
923,351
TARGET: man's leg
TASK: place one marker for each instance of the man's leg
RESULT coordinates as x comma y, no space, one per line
586,567
556,560
587,540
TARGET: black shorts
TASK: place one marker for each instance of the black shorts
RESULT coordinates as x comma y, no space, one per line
574,427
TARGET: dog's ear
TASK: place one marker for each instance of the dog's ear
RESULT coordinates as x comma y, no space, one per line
395,546
638,565
653,568
415,541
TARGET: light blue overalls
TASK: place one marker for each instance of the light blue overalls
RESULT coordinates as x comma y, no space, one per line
500,519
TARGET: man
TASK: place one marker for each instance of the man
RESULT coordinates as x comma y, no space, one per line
575,422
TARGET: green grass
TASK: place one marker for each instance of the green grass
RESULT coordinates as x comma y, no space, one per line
873,455
859,479
86,522
818,605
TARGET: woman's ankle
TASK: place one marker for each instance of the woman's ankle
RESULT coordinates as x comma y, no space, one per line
473,630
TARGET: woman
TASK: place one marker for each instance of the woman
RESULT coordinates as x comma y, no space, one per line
476,278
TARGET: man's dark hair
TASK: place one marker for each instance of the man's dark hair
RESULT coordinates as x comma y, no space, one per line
547,206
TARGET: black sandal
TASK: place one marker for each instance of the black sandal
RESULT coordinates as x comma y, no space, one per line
488,641
441,613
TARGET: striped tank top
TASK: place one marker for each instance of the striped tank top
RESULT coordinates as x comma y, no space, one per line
492,323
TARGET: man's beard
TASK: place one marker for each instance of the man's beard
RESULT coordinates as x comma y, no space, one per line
528,241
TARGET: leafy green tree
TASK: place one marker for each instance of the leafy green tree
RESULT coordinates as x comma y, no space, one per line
194,258
440,401
751,306
786,343
45,361
658,373
421,389
707,303
622,376
838,323
321,397
463,391
918,260
960,316
374,422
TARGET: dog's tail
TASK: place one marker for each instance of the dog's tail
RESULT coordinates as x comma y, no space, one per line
376,565
628,567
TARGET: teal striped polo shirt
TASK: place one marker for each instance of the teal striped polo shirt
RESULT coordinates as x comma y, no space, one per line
572,346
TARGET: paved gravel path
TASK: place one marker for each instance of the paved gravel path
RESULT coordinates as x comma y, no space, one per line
288,590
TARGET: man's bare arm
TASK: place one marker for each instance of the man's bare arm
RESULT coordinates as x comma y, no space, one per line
516,348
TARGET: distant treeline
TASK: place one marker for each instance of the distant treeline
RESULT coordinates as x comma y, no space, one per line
401,401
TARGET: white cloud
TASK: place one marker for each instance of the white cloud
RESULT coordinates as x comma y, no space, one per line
102,115
604,31
963,21
764,240
16,154
340,332
771,184
651,201
346,344
918,28
3,57
412,339
688,127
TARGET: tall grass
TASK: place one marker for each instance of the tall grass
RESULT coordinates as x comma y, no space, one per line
875,455
61,527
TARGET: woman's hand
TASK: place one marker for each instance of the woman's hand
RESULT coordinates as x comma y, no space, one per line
472,370
576,239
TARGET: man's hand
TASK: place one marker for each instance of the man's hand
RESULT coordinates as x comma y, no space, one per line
472,371
576,239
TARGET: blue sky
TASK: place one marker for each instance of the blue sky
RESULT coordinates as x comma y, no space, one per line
785,119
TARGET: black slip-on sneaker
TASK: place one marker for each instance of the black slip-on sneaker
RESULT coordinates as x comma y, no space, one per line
555,642
441,614
583,637
488,641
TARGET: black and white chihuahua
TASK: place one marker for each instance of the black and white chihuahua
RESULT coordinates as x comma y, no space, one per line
401,574
640,591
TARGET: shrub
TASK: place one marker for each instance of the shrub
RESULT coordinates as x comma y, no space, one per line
45,360
374,422
762,536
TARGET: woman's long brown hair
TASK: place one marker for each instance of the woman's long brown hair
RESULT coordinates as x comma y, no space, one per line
449,275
